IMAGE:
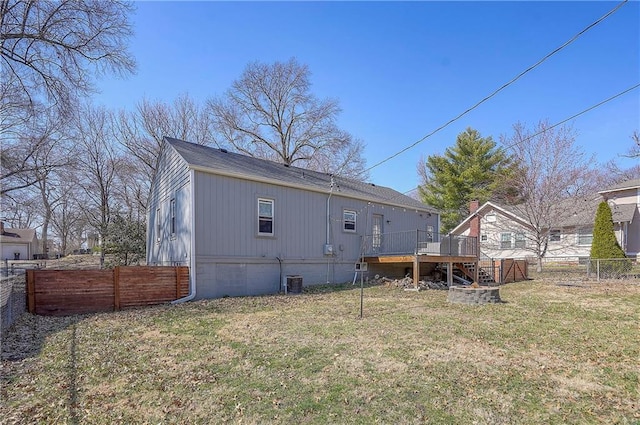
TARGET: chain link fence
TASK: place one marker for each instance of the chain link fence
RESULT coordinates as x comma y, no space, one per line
586,269
13,301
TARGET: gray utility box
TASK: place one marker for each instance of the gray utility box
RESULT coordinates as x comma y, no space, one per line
294,284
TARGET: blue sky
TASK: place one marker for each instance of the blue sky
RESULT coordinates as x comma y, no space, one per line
402,69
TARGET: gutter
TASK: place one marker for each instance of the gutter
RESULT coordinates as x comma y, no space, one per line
192,259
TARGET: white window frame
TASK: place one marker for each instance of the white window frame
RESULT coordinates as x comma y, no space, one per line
483,238
349,221
582,233
504,240
172,212
158,225
266,218
520,241
555,235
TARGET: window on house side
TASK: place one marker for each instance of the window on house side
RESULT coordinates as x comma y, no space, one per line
483,238
554,236
349,221
158,227
505,240
585,236
173,217
265,217
520,240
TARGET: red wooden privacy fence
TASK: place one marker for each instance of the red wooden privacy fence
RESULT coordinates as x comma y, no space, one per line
66,292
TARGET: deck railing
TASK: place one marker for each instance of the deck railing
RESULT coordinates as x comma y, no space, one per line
420,242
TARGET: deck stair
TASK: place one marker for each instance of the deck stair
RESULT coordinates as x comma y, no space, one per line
485,277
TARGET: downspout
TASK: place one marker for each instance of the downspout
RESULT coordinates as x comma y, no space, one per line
192,259
328,227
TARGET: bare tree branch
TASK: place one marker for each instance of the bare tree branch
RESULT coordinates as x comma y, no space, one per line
270,113
53,48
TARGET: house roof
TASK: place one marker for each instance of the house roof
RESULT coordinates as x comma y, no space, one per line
18,235
623,213
222,162
629,184
573,212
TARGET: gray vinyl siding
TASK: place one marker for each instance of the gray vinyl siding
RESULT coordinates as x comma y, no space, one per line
234,260
218,216
227,223
171,182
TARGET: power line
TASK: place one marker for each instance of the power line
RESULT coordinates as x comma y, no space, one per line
584,111
573,116
505,85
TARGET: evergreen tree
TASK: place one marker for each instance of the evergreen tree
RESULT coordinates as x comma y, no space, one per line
605,244
125,241
473,169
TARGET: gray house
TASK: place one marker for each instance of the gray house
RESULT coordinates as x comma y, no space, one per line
243,224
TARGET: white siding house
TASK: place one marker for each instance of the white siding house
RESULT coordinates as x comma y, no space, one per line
624,200
18,244
243,224
505,232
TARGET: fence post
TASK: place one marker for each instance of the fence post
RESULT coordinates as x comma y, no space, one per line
116,288
598,269
31,292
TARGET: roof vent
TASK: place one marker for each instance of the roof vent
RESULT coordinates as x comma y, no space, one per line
286,165
372,184
224,150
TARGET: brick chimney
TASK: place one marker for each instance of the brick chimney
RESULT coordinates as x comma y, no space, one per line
474,225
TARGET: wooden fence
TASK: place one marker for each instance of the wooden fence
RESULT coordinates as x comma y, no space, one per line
67,292
506,270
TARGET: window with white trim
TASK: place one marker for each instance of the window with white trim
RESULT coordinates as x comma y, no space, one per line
483,238
585,236
349,221
265,217
555,235
172,210
520,241
505,240
158,225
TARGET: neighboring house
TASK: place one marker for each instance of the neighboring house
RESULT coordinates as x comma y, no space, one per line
505,232
18,244
624,200
243,224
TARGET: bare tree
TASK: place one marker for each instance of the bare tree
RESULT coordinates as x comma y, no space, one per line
52,48
634,152
99,163
270,113
553,170
143,130
33,155
20,209
68,219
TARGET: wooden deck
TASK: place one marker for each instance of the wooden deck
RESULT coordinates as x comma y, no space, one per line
416,260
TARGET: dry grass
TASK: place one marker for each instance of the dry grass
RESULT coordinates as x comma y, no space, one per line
549,354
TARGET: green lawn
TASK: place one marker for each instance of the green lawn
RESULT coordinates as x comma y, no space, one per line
548,355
